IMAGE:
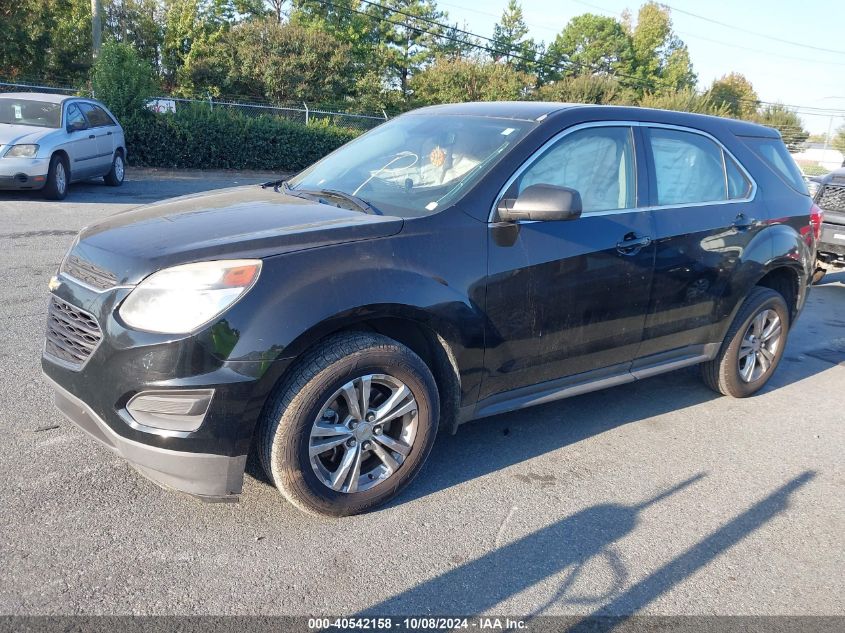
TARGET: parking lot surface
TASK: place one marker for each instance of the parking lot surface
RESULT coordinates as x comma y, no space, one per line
654,497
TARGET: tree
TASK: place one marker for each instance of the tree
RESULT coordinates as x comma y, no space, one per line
661,59
137,23
285,63
597,89
122,79
510,42
590,44
456,80
737,93
684,100
25,36
786,122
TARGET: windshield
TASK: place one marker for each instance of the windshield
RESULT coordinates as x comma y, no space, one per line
414,164
28,112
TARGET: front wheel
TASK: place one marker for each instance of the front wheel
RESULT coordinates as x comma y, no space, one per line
58,178
351,425
753,346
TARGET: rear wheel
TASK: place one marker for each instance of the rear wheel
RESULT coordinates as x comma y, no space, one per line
58,177
117,172
351,426
753,346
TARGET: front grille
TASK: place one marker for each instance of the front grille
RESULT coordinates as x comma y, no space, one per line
72,334
832,198
88,273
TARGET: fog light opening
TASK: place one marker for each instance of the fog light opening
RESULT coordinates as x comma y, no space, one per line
172,410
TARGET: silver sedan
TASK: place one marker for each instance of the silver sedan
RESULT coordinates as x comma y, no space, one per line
48,141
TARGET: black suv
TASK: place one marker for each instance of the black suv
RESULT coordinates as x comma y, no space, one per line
457,262
830,196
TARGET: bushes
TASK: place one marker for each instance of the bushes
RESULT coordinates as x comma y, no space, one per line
201,138
121,79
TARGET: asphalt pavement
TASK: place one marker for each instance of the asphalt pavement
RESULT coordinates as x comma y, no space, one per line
657,497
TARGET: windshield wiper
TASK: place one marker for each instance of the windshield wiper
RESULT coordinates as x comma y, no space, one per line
320,195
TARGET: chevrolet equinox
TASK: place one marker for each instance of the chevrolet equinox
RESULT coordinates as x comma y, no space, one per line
457,262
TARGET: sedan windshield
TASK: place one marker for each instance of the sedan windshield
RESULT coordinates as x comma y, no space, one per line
415,164
28,112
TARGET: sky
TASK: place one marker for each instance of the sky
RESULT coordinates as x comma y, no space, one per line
792,52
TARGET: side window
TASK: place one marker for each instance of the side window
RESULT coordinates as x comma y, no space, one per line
97,117
688,167
739,187
775,154
597,162
74,115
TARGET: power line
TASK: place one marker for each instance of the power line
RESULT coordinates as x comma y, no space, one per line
744,30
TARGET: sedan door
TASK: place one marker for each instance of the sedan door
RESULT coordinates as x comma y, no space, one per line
705,221
570,297
81,145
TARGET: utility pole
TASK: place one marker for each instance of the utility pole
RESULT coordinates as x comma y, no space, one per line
96,27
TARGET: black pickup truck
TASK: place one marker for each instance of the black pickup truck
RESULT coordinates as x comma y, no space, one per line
830,197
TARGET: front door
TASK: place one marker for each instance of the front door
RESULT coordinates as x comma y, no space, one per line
705,222
82,144
567,297
103,129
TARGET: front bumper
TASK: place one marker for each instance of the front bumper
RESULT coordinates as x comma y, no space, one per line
201,474
832,242
23,173
207,462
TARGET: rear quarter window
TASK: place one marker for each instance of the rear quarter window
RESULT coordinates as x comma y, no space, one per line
774,153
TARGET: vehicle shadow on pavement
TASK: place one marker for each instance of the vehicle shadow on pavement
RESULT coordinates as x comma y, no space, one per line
566,546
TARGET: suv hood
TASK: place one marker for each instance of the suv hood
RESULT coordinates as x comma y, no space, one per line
241,222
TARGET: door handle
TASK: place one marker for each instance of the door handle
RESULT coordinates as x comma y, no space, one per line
743,222
108,133
91,136
631,244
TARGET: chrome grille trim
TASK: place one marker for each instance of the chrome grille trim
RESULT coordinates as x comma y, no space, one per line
88,274
72,334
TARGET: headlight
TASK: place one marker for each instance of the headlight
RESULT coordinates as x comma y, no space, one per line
179,300
22,151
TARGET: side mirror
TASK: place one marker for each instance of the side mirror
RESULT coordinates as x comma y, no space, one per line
76,126
544,203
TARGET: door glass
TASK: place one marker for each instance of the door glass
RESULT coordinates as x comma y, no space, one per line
687,167
75,116
97,117
739,186
596,162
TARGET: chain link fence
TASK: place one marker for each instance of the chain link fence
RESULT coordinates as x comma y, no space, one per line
300,113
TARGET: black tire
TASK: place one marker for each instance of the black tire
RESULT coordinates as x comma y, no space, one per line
58,178
722,374
117,172
288,417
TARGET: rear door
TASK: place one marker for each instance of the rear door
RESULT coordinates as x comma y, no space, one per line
568,297
104,129
705,218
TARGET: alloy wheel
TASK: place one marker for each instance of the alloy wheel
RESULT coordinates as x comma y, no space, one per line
363,433
760,345
61,177
119,169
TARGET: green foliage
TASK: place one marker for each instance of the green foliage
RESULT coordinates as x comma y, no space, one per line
814,170
685,100
199,137
661,59
591,44
458,80
510,40
25,35
122,80
838,141
597,89
786,122
135,22
737,93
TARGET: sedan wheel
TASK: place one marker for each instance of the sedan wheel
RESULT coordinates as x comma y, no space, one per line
759,346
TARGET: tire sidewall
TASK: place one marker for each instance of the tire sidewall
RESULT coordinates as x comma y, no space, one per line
290,462
52,191
731,356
